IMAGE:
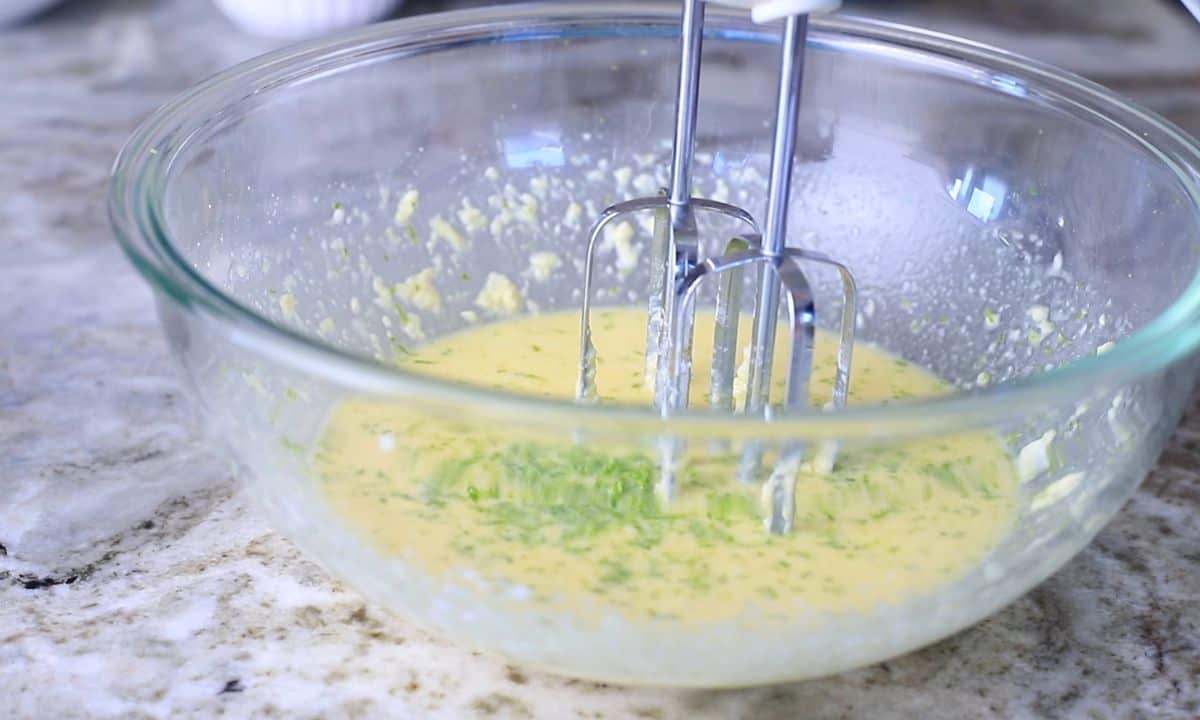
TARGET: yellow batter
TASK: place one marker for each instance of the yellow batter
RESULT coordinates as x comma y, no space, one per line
581,529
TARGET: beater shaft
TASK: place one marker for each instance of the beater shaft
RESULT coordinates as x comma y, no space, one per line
791,78
687,101
672,382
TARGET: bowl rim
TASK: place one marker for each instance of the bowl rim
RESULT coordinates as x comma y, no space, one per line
139,175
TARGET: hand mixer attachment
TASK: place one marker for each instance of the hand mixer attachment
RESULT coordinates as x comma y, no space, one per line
678,268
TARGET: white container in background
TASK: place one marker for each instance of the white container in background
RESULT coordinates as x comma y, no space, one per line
296,19
15,11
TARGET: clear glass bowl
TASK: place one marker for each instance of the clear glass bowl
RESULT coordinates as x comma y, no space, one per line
965,186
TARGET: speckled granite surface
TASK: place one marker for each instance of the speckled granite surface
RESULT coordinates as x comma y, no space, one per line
135,580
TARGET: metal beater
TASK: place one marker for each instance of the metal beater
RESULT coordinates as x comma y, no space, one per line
678,268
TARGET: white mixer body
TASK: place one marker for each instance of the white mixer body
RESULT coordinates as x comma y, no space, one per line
767,10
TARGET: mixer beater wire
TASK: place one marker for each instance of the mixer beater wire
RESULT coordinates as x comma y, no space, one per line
677,268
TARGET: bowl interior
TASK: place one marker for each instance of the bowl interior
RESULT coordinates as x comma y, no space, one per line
964,199
1000,221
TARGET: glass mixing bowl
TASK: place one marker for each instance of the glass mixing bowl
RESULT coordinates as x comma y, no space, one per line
1023,233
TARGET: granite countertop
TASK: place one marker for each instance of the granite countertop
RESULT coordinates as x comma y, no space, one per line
137,581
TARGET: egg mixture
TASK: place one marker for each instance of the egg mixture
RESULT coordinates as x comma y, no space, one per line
579,527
